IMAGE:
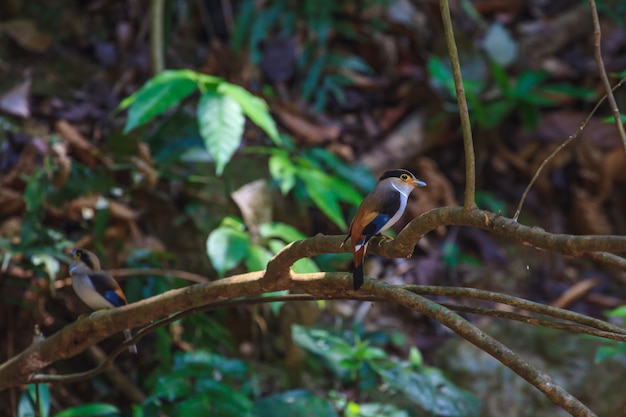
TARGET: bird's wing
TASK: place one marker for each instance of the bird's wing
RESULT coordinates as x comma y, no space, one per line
108,288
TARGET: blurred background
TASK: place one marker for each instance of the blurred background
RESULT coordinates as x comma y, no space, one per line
195,174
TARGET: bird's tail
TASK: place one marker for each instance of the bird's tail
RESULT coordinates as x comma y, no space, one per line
357,275
128,335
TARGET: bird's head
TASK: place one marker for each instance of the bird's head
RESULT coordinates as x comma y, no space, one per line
85,260
402,180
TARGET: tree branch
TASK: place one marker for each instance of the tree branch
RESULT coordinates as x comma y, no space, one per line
466,126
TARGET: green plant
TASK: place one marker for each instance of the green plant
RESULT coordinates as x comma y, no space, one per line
202,382
527,94
323,71
397,385
36,401
220,110
612,348
230,244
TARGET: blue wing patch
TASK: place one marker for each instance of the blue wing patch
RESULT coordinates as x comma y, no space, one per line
376,225
114,298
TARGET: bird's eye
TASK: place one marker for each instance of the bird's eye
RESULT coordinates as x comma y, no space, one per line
75,254
404,177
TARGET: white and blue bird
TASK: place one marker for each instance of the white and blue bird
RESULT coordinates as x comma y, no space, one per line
380,210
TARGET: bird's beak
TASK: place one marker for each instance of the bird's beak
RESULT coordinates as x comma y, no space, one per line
418,183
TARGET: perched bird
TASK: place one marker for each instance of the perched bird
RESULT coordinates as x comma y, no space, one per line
95,287
378,212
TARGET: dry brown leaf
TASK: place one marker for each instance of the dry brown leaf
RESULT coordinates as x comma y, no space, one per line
255,203
11,227
612,171
587,215
306,129
63,165
28,162
85,151
25,34
400,147
11,202
575,292
75,209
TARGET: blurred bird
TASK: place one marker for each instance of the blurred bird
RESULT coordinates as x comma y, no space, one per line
95,287
378,212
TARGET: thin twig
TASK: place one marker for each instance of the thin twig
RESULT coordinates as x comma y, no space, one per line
597,35
466,126
527,305
559,149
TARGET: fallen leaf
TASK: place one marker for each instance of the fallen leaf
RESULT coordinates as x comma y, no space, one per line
25,34
15,101
86,152
306,129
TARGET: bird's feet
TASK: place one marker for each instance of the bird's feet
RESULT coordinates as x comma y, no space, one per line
384,238
92,315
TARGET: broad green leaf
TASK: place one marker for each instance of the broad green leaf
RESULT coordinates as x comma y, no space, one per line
225,401
334,351
305,266
257,258
293,403
608,351
283,171
326,200
253,107
157,96
27,405
282,231
221,123
227,247
326,191
617,312
195,405
430,390
528,81
94,409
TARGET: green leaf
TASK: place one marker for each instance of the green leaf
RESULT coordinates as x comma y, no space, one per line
157,96
282,231
27,406
326,191
528,81
93,409
257,258
617,312
253,107
430,390
305,266
221,123
282,170
227,247
299,402
195,405
376,410
334,351
611,119
326,200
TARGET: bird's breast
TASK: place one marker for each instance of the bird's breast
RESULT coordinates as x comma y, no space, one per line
87,293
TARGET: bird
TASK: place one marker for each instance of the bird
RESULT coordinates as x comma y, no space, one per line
380,209
95,287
